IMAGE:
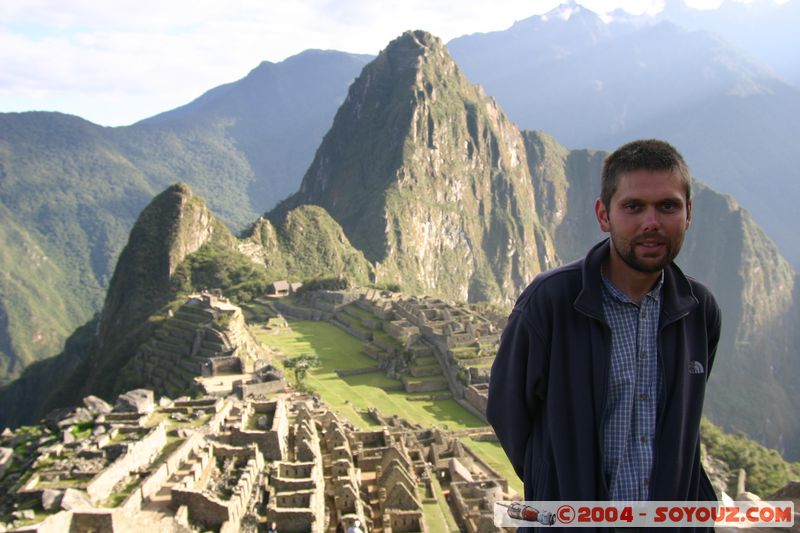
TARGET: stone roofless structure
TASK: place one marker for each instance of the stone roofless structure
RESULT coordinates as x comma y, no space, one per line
290,459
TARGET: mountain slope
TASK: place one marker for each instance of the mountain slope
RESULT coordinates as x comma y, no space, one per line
177,246
757,368
428,177
446,197
72,190
760,27
275,116
593,84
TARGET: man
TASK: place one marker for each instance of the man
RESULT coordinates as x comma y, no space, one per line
356,527
597,388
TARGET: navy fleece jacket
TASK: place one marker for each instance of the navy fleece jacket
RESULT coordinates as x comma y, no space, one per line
548,387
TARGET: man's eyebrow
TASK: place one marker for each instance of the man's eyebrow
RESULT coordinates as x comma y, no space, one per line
677,199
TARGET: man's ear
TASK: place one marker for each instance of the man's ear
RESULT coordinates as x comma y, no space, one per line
688,213
601,213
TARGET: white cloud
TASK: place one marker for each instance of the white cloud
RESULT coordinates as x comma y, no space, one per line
105,60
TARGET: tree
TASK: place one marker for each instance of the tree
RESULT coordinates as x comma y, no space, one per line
300,365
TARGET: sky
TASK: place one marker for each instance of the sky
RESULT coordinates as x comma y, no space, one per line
115,62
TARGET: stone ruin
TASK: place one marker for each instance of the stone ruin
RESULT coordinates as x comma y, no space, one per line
431,346
296,489
206,336
226,464
265,380
224,485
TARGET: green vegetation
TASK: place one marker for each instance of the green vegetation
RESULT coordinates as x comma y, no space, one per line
437,514
494,455
73,189
307,243
766,470
351,394
300,365
116,498
216,265
82,429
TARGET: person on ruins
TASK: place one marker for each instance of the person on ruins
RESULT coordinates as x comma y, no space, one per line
597,388
356,527
273,528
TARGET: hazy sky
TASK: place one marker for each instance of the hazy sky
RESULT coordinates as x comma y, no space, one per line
117,61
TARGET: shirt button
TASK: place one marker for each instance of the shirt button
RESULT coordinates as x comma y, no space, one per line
643,438
643,396
642,354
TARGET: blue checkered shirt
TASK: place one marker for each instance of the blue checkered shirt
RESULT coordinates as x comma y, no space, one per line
634,387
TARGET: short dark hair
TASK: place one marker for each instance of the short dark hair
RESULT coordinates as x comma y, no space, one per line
649,154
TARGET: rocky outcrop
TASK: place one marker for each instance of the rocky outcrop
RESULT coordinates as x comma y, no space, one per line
756,370
429,179
175,224
305,243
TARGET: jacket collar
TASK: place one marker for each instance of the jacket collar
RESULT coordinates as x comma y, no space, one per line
677,296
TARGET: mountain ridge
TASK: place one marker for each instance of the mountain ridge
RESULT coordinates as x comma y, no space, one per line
601,84
423,122
74,189
441,193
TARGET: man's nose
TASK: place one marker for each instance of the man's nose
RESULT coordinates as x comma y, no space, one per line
650,219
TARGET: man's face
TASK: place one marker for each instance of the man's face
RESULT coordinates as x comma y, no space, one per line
647,219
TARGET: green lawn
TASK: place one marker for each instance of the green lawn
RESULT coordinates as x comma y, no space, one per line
493,453
338,350
355,310
437,514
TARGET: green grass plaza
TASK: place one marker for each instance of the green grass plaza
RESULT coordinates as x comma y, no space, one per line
350,396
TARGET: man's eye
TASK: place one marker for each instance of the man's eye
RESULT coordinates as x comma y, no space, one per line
669,206
630,207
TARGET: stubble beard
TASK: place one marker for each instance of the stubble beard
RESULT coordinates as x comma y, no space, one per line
628,255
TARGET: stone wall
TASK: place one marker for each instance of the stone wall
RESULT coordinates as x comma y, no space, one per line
300,313
203,509
395,521
254,390
400,329
212,405
139,454
224,365
425,386
477,396
209,510
296,520
489,472
298,512
218,419
156,480
57,523
272,443
474,503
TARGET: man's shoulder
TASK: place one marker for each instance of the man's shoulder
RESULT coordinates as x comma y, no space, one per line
704,296
701,291
553,285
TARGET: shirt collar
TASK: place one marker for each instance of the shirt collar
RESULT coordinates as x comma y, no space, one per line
619,295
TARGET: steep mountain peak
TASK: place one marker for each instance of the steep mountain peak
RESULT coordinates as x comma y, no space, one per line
567,11
175,224
423,172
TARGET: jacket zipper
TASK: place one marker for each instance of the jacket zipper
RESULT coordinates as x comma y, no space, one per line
659,423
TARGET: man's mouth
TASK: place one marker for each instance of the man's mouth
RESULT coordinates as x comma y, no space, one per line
650,241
